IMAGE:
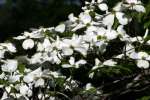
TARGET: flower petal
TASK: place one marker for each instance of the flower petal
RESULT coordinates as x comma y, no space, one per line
103,6
121,18
143,64
60,28
139,8
28,44
109,20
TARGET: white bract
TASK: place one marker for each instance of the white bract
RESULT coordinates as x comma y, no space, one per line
111,34
88,86
39,82
99,1
14,78
10,47
25,90
76,43
98,64
103,7
135,5
35,35
30,77
79,26
118,7
2,52
132,1
28,44
109,63
139,8
74,64
60,28
2,75
67,51
109,20
129,49
72,18
85,18
142,55
148,42
121,18
36,58
143,64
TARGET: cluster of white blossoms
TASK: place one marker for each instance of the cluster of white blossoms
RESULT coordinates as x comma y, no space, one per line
18,79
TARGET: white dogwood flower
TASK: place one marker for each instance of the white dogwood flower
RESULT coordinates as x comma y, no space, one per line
111,34
85,18
39,82
9,66
10,47
35,77
76,43
25,90
36,58
74,64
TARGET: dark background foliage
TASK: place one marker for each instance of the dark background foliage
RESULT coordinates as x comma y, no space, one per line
16,16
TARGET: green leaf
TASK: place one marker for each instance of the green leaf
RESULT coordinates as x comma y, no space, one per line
145,98
21,68
60,81
3,82
90,91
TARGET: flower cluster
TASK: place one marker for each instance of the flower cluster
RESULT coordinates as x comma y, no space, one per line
43,64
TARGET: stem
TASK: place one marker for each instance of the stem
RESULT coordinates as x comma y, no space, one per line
64,95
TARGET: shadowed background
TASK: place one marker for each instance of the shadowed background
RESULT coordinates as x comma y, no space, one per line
17,16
